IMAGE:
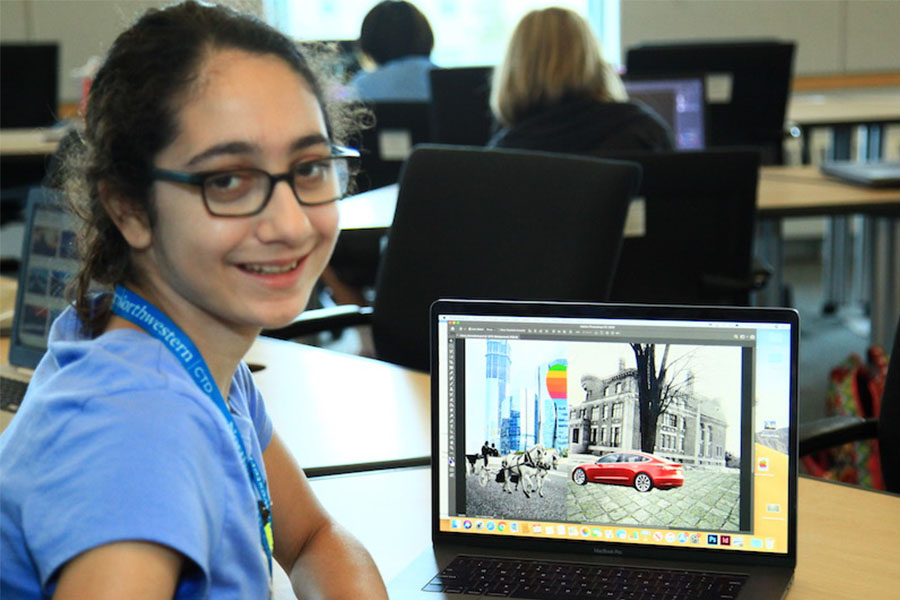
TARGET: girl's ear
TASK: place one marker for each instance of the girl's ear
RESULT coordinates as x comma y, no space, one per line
131,220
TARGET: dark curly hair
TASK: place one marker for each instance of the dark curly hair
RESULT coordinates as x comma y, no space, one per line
394,29
132,115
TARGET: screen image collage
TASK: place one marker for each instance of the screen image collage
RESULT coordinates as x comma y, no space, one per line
53,259
611,434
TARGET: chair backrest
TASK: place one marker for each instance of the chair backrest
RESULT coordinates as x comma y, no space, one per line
889,421
398,127
461,105
492,224
748,83
699,212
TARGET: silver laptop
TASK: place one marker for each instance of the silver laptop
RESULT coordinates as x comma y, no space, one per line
877,174
48,262
577,446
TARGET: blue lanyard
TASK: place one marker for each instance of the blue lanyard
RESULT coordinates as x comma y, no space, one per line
135,309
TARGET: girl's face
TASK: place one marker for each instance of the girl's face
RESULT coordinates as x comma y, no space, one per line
244,273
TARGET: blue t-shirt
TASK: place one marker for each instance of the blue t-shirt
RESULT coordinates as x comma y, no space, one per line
400,80
114,442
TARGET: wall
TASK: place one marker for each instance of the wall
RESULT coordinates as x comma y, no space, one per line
84,28
833,36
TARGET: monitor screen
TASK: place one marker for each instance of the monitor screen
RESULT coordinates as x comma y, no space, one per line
680,102
638,431
28,85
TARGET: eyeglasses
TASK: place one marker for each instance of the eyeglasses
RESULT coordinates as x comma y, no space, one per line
246,192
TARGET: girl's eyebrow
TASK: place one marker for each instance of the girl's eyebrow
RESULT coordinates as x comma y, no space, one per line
232,148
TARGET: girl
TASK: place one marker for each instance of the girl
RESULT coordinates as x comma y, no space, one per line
142,463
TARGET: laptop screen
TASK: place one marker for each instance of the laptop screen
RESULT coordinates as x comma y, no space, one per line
680,101
666,430
49,260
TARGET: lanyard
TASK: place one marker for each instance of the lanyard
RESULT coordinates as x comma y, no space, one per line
135,309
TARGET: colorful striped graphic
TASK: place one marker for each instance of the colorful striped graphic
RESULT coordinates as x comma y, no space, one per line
556,379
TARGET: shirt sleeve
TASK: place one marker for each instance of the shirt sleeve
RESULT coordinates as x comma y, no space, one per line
142,467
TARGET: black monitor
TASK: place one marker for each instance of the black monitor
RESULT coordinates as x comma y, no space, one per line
680,101
461,108
29,93
748,83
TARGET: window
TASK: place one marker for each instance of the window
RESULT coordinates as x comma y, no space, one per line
466,32
615,436
619,387
617,410
575,436
593,435
609,458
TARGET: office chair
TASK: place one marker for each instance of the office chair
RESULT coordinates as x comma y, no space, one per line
748,84
696,242
398,126
830,432
383,148
461,108
479,223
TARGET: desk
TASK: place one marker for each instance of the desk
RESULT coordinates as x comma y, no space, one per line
869,109
783,192
28,142
846,545
336,412
804,191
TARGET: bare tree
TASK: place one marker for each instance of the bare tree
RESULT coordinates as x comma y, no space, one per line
657,388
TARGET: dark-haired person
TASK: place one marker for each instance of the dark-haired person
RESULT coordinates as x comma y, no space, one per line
142,463
554,92
396,36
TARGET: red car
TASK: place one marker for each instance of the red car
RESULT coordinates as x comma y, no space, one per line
643,471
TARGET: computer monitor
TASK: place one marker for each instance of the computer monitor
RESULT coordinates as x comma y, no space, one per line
747,85
29,92
680,101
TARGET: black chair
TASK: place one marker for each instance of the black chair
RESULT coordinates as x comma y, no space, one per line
821,434
696,242
489,224
461,106
398,127
383,148
759,72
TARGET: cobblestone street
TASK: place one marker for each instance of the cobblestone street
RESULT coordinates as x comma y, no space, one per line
707,500
491,500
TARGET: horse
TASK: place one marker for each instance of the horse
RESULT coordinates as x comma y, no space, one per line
478,466
549,460
521,468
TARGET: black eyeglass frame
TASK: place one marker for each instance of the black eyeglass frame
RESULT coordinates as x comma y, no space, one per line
199,179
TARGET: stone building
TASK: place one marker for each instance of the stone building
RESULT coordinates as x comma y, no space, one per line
691,431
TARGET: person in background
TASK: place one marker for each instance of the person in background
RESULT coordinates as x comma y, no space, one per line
395,36
555,92
142,462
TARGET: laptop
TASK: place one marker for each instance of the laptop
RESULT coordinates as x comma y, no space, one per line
877,174
548,482
49,260
680,101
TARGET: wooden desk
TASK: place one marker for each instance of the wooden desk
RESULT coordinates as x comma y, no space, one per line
847,538
28,142
804,191
844,107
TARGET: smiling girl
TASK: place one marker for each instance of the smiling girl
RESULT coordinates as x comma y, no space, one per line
142,463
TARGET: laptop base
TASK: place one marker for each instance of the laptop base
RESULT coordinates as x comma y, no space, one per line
762,582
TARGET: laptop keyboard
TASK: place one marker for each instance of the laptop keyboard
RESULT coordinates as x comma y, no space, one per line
510,578
11,393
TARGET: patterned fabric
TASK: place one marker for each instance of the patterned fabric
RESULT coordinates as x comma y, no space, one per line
855,389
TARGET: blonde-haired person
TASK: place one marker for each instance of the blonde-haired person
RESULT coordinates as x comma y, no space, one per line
555,92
